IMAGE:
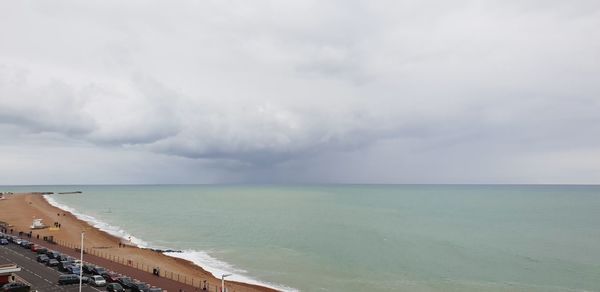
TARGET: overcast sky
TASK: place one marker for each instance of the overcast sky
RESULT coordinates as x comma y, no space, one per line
304,91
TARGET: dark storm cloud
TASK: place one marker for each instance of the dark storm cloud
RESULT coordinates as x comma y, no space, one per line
373,91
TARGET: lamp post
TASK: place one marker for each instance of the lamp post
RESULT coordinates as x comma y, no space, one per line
81,259
223,281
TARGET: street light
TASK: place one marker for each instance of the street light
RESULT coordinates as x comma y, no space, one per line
223,281
81,261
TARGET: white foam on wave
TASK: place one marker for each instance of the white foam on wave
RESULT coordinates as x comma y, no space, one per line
218,268
110,229
199,258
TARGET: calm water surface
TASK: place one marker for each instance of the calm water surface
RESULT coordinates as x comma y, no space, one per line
365,237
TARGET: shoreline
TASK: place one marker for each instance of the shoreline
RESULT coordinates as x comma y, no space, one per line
20,209
188,255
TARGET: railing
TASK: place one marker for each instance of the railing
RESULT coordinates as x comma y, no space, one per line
192,281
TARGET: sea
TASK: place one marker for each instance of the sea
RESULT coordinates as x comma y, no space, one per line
361,237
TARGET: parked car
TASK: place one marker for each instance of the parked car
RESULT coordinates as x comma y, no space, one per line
15,287
52,263
42,258
74,269
99,271
114,287
24,243
35,247
155,289
63,265
111,277
126,282
139,287
87,268
3,241
97,281
68,279
71,279
64,257
42,250
53,254
17,241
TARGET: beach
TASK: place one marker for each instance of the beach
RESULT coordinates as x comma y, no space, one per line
19,210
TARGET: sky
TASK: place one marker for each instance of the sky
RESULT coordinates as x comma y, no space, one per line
348,91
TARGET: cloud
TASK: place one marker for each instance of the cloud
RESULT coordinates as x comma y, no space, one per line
274,89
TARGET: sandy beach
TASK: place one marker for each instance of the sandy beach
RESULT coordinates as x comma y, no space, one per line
20,209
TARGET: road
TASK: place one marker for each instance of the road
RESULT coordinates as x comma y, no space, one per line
41,277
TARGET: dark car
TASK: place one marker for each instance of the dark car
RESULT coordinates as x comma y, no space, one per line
115,287
3,241
88,268
68,279
71,279
42,250
126,282
74,269
42,258
52,263
99,271
24,244
53,254
15,287
154,289
139,287
63,265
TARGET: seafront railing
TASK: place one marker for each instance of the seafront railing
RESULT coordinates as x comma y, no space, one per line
184,279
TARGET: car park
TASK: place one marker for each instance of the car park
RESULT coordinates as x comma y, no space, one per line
114,287
97,281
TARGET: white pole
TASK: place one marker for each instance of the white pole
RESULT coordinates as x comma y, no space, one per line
223,281
81,263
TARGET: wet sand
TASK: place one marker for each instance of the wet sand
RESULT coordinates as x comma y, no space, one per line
19,210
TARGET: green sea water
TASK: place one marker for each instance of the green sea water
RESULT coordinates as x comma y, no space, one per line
364,237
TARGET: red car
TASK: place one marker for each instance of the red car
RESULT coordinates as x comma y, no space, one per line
111,277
